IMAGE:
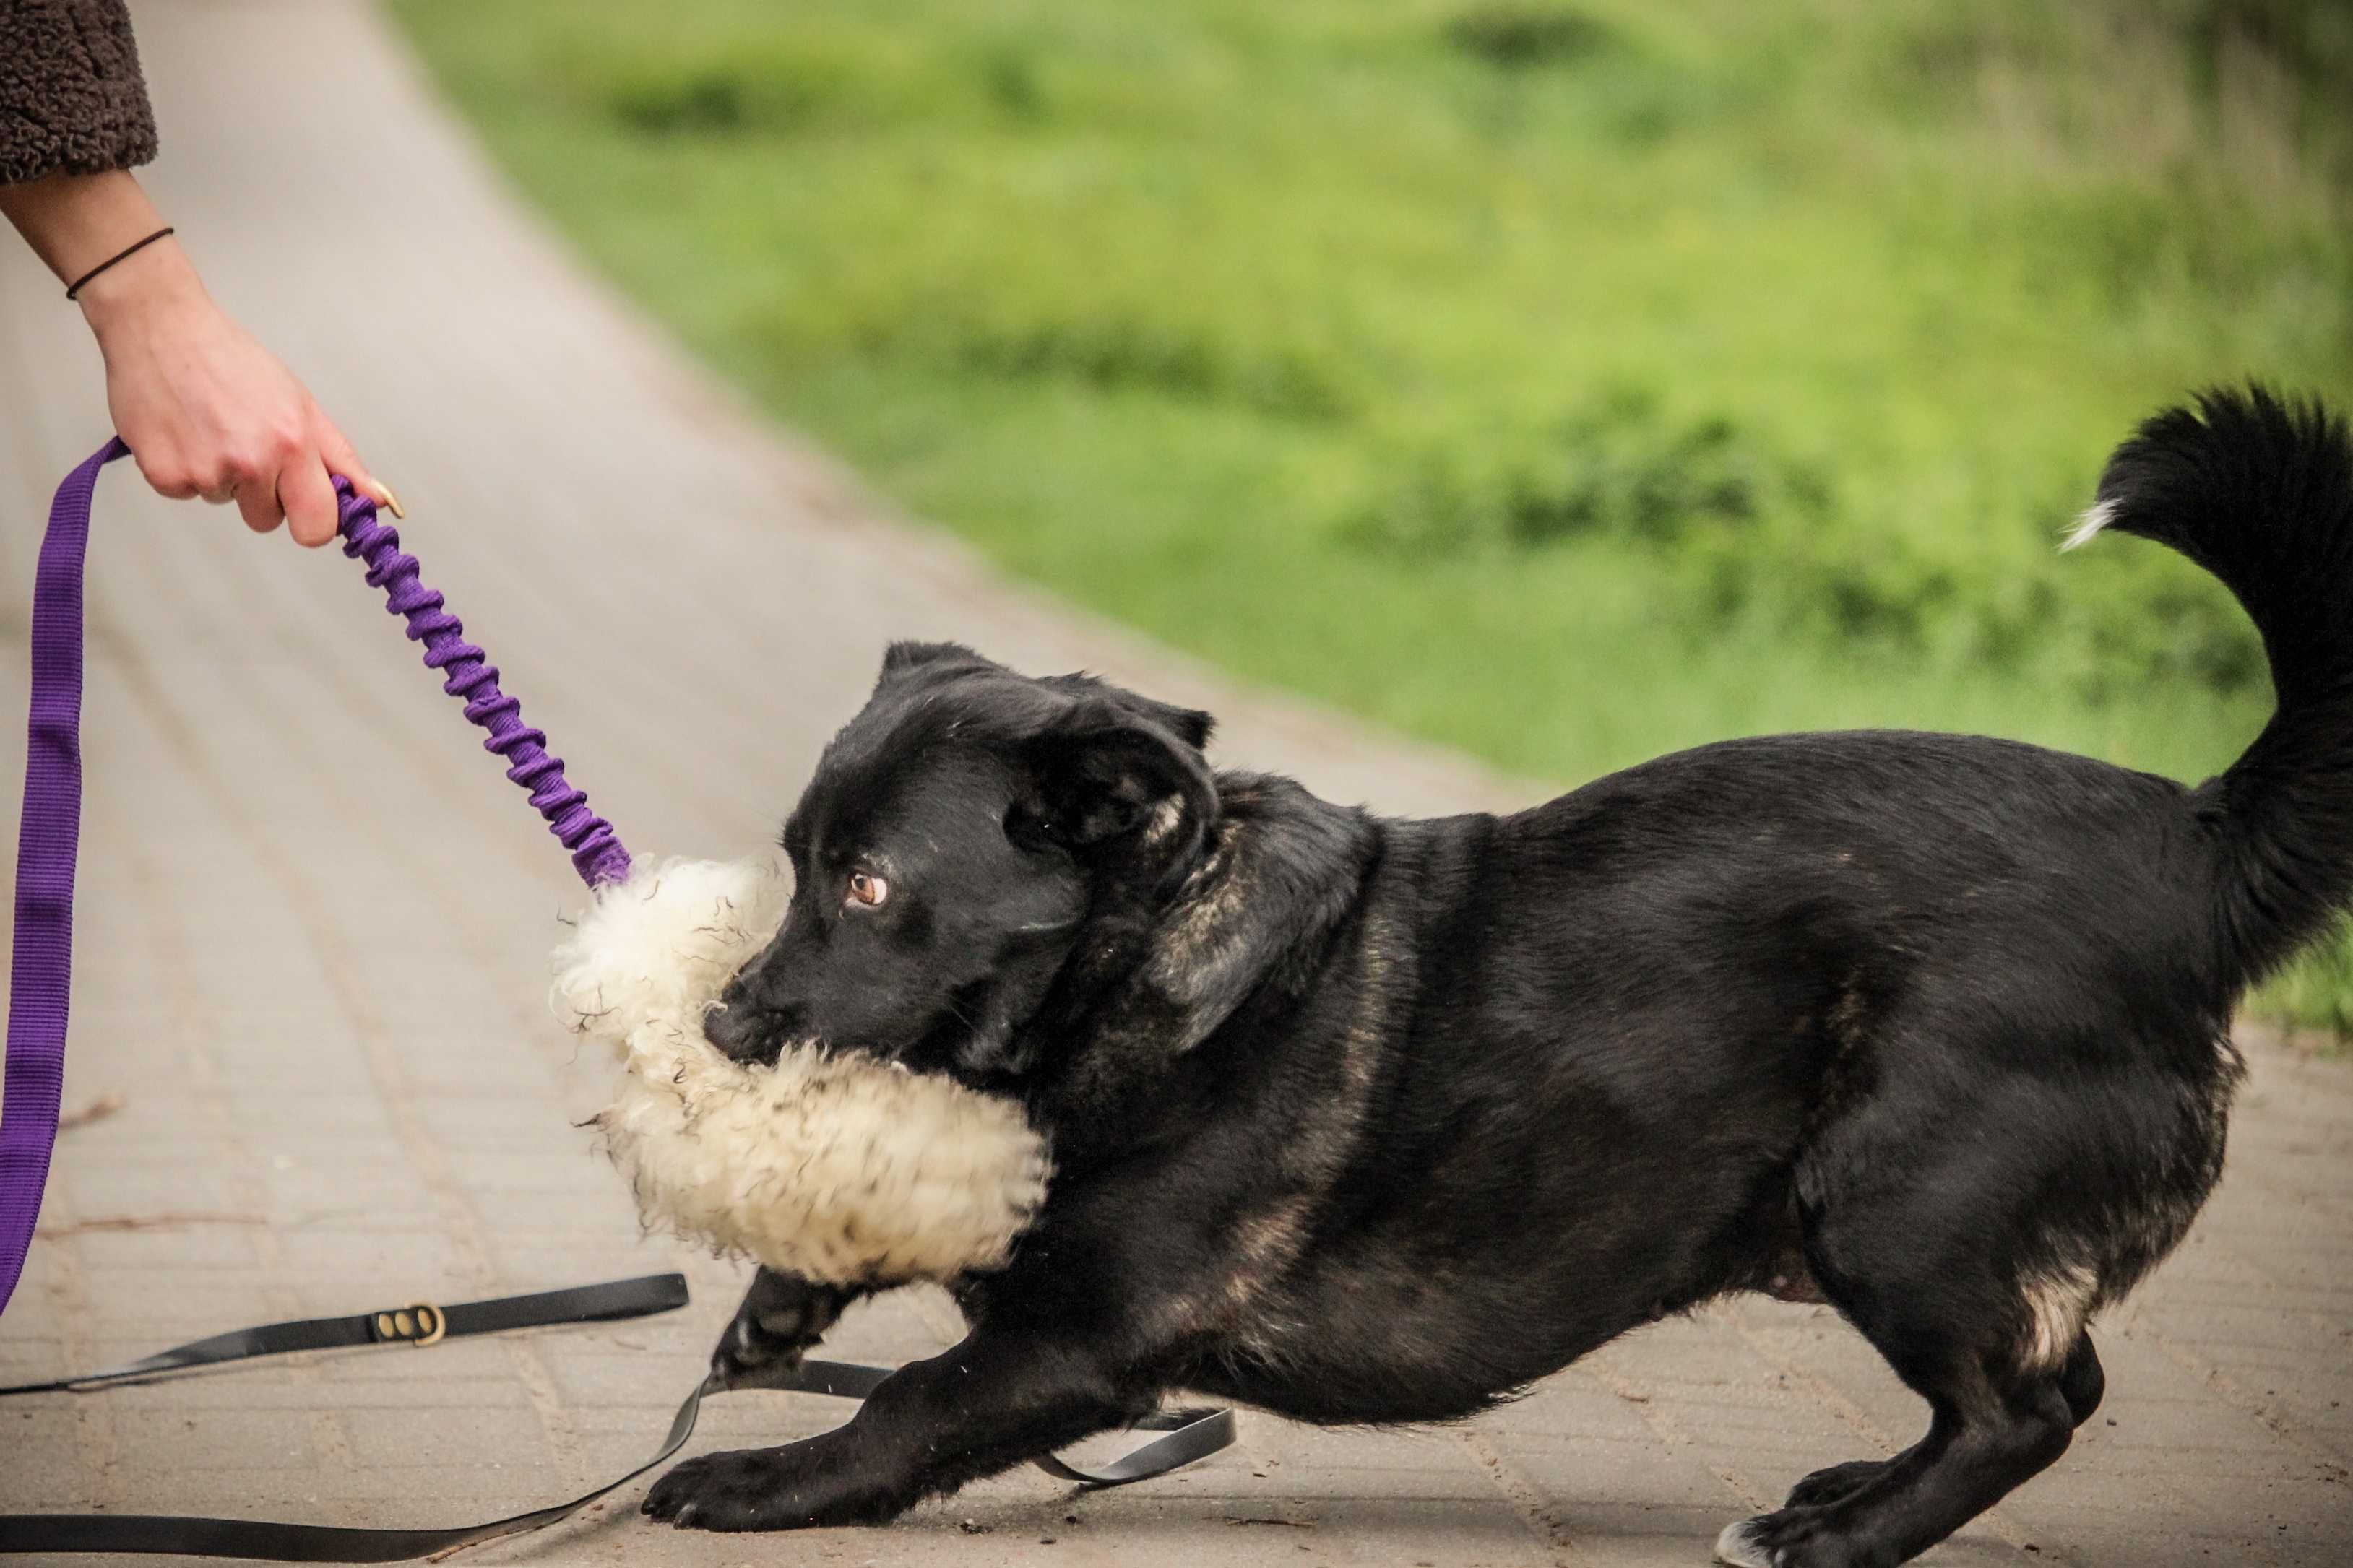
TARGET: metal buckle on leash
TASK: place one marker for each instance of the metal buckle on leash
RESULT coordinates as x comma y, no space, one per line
420,1323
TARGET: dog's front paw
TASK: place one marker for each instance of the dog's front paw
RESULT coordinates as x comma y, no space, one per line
738,1489
781,1320
792,1487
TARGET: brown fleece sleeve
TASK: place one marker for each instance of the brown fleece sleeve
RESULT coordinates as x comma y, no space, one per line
72,99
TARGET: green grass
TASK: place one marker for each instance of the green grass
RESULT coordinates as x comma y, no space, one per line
1565,382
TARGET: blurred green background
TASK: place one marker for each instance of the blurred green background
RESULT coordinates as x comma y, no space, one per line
1566,381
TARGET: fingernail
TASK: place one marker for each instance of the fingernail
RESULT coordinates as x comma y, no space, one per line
391,501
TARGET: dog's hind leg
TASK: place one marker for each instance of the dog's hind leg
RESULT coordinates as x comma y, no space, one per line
1995,1421
2081,1383
1935,1233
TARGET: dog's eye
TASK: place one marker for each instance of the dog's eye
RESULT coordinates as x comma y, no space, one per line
866,889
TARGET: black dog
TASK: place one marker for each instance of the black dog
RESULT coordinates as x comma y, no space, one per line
1371,1120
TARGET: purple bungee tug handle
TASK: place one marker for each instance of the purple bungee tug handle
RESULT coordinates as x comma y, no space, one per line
597,852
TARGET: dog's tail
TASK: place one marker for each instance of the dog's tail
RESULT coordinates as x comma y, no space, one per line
2259,493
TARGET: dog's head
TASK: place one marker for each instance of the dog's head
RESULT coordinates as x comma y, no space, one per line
962,837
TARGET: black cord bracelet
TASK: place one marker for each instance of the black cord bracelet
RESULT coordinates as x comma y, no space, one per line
129,250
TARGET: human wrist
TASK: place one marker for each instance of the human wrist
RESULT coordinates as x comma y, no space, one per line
158,277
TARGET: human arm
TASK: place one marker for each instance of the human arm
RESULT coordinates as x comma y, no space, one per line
205,409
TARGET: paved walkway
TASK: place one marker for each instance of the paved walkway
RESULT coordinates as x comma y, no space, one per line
315,921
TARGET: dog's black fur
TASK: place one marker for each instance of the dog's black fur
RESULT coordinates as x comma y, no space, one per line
1359,1119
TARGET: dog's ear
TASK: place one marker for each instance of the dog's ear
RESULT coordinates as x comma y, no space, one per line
1109,780
1187,724
902,657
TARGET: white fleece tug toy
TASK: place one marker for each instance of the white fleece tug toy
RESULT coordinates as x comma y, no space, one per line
839,1168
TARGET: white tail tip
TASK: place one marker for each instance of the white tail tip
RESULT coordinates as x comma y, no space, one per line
2094,519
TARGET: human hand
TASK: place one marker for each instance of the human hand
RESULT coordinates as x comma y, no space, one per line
206,410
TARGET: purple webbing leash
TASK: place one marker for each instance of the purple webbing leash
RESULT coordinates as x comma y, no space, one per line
41,975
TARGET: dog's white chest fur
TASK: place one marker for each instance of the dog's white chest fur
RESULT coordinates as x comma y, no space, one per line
838,1168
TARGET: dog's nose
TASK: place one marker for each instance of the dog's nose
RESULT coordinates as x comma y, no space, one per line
734,1026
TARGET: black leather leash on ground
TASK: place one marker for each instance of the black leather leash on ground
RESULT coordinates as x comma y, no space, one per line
1188,1435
